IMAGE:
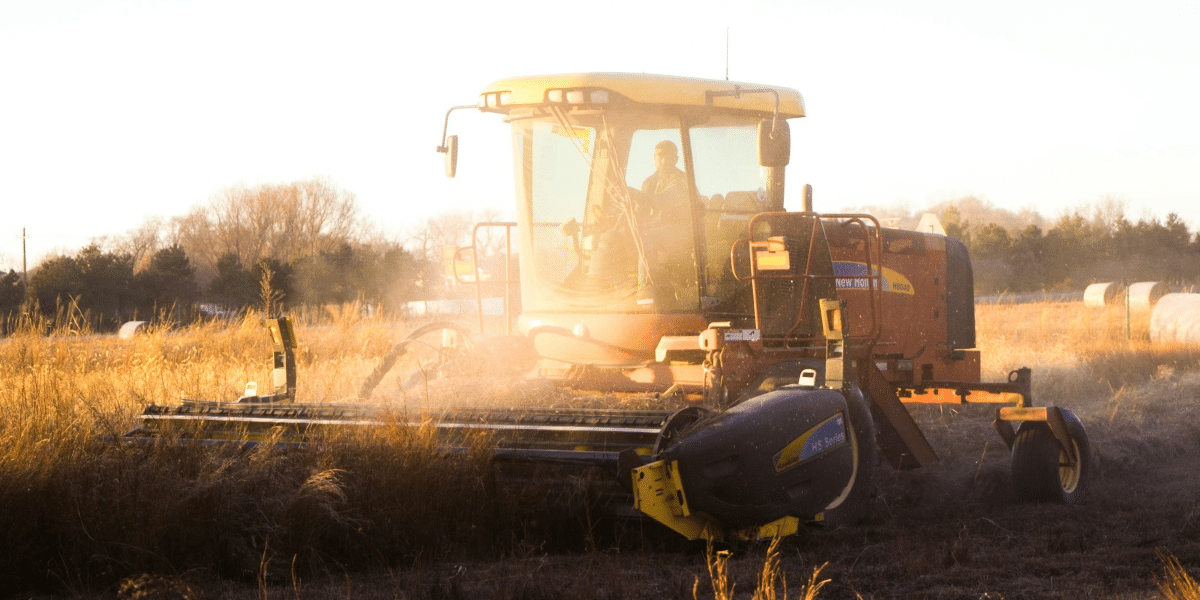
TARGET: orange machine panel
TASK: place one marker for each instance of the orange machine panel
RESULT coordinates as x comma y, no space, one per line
918,307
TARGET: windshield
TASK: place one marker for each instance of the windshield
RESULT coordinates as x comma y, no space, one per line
732,187
619,201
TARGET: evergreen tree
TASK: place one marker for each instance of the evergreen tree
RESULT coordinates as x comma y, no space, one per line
108,289
12,297
990,242
169,281
56,281
234,287
1025,260
101,283
955,225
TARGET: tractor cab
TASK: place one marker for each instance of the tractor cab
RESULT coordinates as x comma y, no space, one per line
633,192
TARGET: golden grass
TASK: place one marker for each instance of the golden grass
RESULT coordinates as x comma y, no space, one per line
1176,583
1077,353
771,583
98,512
92,509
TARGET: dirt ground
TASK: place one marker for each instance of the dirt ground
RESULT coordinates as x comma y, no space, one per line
953,530
931,535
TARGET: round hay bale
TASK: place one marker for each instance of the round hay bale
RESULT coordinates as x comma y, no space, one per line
131,328
1176,318
1099,294
1145,294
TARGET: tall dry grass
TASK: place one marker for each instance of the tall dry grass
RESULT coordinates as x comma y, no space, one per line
81,513
1101,364
771,582
1076,351
1176,583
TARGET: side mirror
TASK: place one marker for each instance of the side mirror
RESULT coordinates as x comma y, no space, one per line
774,143
449,145
451,150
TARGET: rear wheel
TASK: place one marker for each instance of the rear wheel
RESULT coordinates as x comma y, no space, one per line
1041,470
850,507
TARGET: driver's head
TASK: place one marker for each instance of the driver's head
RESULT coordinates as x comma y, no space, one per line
666,154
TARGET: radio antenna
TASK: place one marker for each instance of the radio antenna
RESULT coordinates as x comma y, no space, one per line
726,53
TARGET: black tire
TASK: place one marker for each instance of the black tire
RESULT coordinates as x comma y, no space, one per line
851,507
1040,469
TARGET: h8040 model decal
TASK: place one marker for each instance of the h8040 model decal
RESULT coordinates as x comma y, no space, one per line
853,276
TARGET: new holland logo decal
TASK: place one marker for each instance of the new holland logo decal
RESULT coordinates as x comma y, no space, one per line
853,276
829,434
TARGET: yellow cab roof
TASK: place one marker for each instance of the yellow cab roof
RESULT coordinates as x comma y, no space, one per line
651,89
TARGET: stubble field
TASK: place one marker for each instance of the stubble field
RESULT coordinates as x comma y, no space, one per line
382,514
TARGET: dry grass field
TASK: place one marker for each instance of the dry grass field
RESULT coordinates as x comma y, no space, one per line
381,514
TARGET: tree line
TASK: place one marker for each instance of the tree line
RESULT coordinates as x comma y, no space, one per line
103,287
1090,244
274,247
278,247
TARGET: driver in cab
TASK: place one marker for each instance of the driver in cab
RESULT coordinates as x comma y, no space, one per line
667,232
666,188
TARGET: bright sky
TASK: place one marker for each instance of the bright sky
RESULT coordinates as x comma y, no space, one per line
113,111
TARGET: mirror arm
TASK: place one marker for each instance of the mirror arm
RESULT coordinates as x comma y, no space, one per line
446,125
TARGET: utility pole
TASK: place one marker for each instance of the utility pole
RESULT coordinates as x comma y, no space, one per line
24,268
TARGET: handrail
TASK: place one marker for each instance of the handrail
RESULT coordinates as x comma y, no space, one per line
874,282
872,260
508,278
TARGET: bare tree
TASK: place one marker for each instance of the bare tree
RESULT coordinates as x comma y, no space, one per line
453,229
195,233
283,222
143,241
1106,212
435,240
326,216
